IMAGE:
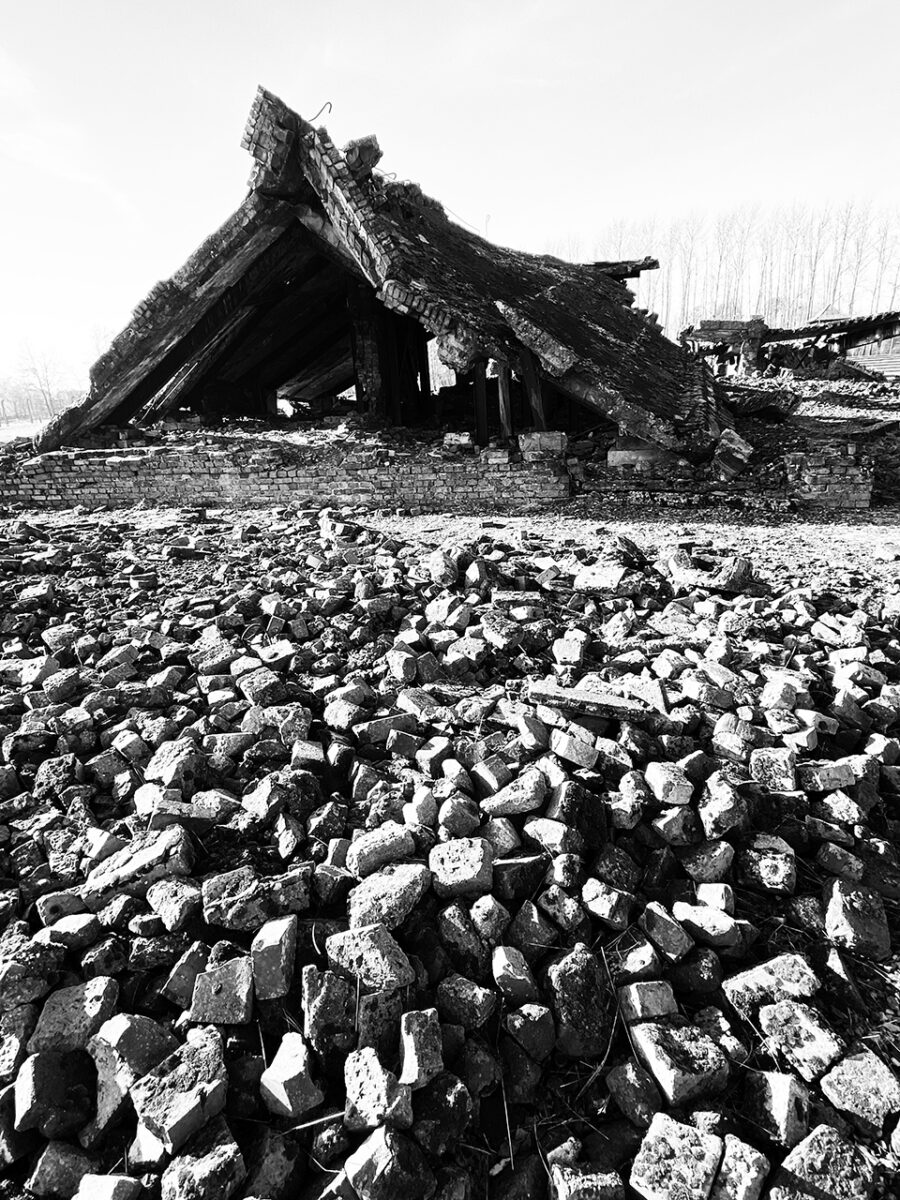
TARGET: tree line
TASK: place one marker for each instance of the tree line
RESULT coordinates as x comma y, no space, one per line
786,264
34,393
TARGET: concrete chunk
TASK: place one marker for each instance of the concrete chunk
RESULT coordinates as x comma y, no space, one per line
685,1063
461,867
525,794
865,1089
675,1160
71,1016
184,1091
742,1173
148,857
824,1166
375,849
388,896
223,995
210,1167
389,1165
785,977
633,1090
243,900
109,1187
286,1086
374,1095
581,1002
799,1033
58,1171
272,954
779,1104
124,1049
370,955
855,919
421,1047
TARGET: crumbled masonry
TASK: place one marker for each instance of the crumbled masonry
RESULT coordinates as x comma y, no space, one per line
333,867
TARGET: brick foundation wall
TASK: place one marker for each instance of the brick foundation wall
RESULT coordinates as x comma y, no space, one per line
832,475
491,480
886,462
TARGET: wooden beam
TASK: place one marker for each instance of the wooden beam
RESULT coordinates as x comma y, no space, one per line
504,400
532,379
318,382
481,411
181,385
306,353
281,322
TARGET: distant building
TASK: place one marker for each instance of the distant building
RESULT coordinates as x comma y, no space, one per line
735,347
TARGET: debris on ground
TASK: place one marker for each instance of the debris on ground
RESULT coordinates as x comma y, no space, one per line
337,864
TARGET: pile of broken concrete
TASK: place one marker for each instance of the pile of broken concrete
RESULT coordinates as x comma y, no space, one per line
334,866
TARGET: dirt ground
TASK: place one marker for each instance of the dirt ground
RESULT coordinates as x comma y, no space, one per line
840,552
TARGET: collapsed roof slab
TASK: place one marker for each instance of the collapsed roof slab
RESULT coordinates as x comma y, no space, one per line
182,315
245,311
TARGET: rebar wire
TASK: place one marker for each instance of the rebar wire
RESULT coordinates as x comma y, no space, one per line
462,220
392,175
327,105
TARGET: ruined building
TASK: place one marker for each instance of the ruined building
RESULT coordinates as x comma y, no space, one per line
734,347
329,275
334,285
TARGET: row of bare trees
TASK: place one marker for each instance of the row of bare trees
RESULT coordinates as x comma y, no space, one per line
787,264
34,392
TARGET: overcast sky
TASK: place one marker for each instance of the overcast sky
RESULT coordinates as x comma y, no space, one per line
121,120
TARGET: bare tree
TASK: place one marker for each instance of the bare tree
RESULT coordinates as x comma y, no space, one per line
884,241
843,226
816,235
860,250
40,372
785,263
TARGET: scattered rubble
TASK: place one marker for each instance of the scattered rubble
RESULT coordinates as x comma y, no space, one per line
336,866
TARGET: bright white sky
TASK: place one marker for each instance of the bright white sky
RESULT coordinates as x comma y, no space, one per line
120,123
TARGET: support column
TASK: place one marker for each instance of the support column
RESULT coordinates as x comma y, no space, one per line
481,413
504,400
365,339
532,379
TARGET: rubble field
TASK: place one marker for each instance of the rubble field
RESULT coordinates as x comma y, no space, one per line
364,857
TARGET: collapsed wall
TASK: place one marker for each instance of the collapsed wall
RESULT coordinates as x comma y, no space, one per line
833,474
